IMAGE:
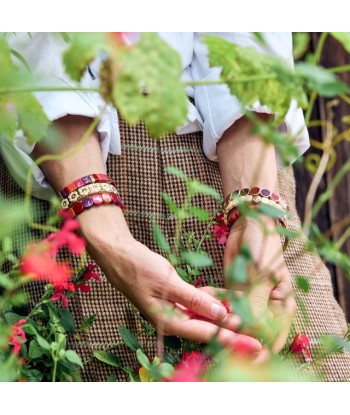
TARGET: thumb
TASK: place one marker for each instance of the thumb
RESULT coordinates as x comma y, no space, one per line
198,301
258,297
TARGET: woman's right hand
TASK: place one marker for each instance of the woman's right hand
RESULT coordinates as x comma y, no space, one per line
152,284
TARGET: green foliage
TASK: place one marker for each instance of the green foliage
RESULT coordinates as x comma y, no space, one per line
18,110
107,357
252,76
160,237
129,339
196,259
302,283
153,94
237,270
343,38
301,44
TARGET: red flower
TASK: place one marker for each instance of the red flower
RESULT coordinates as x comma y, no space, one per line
60,295
190,368
301,344
221,230
66,237
17,332
39,263
199,282
89,274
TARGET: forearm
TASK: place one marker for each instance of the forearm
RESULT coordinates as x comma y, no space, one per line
245,160
102,226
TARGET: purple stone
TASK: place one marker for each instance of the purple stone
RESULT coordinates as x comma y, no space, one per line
265,192
86,179
63,193
88,202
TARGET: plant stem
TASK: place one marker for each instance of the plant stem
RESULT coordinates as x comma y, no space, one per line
206,230
339,69
178,225
34,88
320,46
54,372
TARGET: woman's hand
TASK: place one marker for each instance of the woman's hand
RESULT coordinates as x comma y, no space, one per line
171,305
268,288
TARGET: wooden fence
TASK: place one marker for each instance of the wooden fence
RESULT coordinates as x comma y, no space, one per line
338,207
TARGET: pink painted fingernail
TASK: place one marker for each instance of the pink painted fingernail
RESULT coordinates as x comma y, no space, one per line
217,311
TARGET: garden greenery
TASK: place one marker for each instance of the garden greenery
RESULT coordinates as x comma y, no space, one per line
33,343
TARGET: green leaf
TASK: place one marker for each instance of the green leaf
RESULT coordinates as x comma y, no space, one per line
12,318
196,259
83,49
21,58
183,274
107,357
8,120
165,370
301,44
174,171
196,187
66,320
271,211
112,378
129,339
343,38
33,375
148,86
160,237
34,350
44,344
302,283
73,357
173,207
237,270
143,359
241,307
320,80
200,213
87,323
252,76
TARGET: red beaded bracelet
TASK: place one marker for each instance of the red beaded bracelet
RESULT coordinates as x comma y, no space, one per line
97,199
91,178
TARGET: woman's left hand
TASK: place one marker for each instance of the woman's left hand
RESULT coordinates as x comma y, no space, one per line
268,286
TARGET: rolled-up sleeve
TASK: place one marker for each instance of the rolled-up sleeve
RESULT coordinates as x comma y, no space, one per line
219,109
43,53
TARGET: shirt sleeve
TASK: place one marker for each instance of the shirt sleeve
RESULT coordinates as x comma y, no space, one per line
219,109
43,53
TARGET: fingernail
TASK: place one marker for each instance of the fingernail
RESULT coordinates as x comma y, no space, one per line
217,311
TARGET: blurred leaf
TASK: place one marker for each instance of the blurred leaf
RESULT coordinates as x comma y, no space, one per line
129,339
21,59
236,272
241,307
320,80
183,274
271,211
44,344
160,237
18,110
34,350
265,79
173,207
196,259
112,378
66,320
87,323
301,44
143,359
107,357
302,283
12,318
343,38
259,37
196,187
84,47
174,171
165,370
73,357
200,213
148,86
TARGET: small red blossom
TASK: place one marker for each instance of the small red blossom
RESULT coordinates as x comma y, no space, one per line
39,263
66,237
190,368
87,276
199,282
60,293
17,332
221,230
300,345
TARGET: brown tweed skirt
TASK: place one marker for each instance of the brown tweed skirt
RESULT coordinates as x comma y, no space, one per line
139,173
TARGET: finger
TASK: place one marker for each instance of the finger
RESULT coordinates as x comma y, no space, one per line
285,321
198,301
258,297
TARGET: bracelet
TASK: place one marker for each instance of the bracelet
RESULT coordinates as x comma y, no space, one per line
91,178
92,201
255,195
87,190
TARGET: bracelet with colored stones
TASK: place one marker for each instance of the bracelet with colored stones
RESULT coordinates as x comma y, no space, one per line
253,196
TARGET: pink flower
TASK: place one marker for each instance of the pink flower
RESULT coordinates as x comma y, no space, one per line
301,344
89,274
66,237
39,264
190,368
221,230
17,332
60,295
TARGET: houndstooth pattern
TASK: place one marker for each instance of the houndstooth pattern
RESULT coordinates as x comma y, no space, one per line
140,177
